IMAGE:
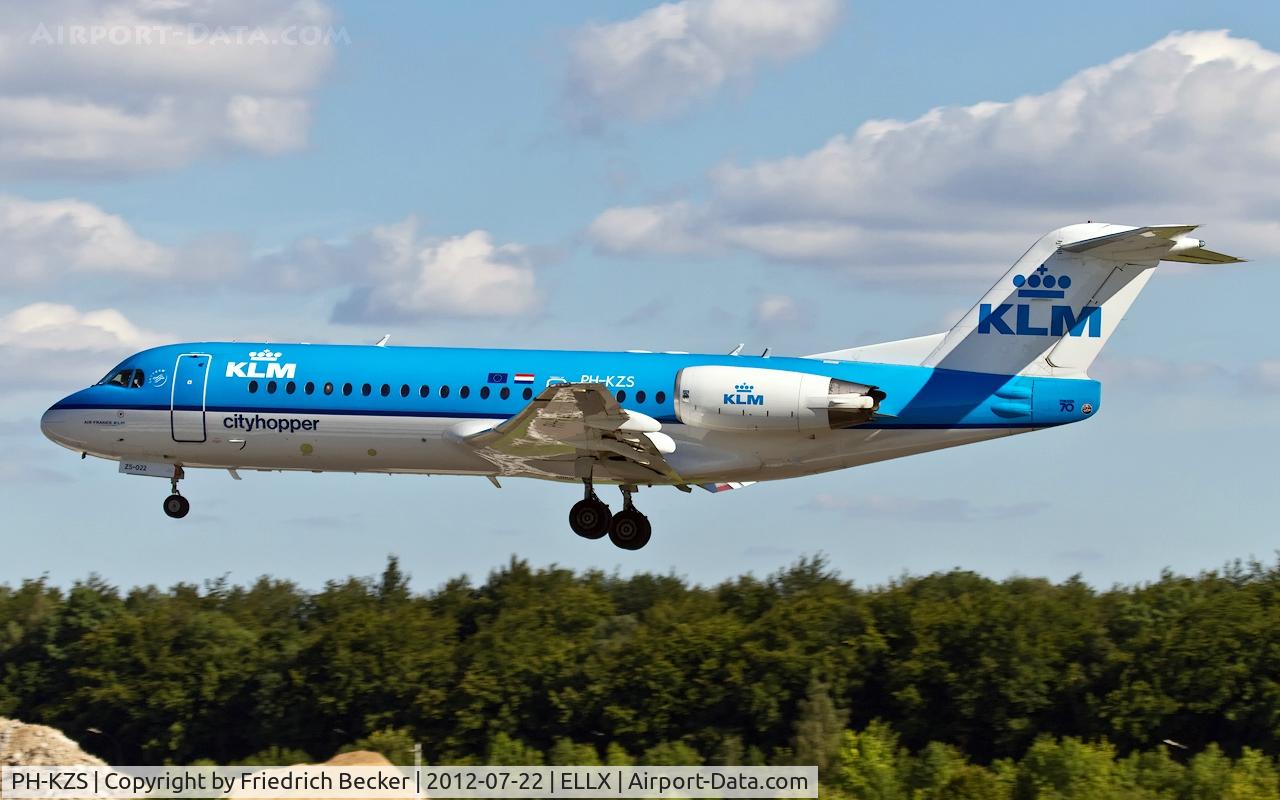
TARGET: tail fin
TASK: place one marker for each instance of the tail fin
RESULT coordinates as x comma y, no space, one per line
1054,310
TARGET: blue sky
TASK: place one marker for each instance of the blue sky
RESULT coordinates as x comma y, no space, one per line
630,176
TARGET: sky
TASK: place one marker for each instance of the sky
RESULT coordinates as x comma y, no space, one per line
806,175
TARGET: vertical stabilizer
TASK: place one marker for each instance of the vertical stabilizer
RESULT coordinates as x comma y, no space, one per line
1059,304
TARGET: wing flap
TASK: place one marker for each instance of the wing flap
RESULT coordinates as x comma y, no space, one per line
569,421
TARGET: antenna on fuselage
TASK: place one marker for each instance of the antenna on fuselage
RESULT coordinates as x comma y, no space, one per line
766,352
737,349
386,337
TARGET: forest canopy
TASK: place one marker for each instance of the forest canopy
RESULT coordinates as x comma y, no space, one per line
950,678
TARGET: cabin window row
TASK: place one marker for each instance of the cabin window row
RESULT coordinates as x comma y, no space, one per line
367,390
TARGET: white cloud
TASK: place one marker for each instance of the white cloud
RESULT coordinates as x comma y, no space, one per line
776,309
659,62
45,240
51,344
98,88
400,274
391,271
1187,129
55,327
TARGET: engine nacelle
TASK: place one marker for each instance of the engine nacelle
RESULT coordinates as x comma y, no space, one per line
754,398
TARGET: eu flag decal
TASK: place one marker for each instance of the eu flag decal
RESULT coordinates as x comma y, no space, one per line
497,377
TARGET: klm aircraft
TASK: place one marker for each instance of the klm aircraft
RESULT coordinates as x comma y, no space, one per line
1017,362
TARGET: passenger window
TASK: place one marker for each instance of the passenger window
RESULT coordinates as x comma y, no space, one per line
621,395
504,393
346,390
309,388
328,387
386,390
444,391
640,396
528,393
424,390
290,387
404,390
271,387
484,392
253,387
464,392
366,390
660,397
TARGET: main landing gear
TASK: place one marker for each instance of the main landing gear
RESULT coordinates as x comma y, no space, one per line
175,505
590,519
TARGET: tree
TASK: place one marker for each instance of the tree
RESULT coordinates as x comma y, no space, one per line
818,727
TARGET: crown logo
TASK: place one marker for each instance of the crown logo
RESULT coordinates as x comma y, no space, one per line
1041,284
264,354
744,388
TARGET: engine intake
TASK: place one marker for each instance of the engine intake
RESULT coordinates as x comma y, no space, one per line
754,398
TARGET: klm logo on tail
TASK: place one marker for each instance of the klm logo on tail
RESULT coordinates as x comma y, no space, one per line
1062,320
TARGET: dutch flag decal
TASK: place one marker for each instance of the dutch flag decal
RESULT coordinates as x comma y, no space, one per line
523,377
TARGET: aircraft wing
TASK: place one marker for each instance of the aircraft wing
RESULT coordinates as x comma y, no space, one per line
569,421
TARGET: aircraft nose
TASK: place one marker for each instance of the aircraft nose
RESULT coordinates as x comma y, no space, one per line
53,425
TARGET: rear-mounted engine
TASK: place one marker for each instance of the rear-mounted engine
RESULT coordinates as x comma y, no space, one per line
753,398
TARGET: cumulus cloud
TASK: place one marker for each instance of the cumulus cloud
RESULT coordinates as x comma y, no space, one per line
45,240
101,88
399,274
52,344
658,63
1184,130
391,272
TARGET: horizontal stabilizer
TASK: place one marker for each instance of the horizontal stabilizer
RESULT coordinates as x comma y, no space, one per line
1150,244
1199,255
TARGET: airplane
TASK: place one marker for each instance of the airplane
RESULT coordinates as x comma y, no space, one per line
1016,362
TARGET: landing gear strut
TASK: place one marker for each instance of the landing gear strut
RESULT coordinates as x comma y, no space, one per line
175,505
589,517
630,529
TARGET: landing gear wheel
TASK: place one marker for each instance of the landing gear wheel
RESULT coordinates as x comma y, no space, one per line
176,506
589,518
630,529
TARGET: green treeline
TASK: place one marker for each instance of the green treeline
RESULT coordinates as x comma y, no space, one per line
949,685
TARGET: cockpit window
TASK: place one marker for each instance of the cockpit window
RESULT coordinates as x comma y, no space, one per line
124,378
118,378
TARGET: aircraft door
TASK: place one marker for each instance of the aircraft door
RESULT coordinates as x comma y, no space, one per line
187,398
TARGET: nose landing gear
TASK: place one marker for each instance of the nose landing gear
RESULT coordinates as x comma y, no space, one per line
175,505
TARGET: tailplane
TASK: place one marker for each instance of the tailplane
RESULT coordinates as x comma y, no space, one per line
1054,310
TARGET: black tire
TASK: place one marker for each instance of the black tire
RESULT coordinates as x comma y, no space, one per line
590,518
630,529
176,506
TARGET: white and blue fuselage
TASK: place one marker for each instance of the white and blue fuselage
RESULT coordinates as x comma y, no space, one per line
409,409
